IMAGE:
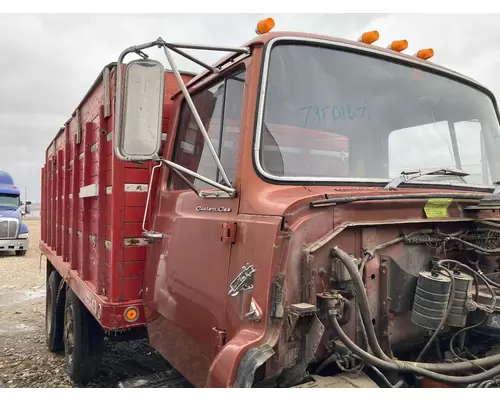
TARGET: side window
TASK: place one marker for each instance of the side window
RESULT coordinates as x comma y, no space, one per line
220,109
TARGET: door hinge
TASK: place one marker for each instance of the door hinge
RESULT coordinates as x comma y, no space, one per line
220,338
228,232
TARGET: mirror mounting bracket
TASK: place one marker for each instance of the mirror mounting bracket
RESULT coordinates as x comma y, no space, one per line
151,236
217,194
226,188
179,169
222,193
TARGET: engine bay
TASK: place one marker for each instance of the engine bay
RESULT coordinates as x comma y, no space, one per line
411,306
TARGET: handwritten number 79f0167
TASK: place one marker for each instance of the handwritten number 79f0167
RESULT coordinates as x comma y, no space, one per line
325,114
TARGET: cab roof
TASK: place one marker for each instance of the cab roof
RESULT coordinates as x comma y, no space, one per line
6,178
7,184
262,40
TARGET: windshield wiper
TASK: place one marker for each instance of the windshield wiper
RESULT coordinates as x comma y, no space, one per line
408,176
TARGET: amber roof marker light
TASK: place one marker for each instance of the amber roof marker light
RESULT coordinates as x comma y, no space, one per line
398,45
369,37
424,54
264,26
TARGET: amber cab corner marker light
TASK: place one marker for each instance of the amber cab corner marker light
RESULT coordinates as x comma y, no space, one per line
369,37
398,45
264,26
131,314
425,54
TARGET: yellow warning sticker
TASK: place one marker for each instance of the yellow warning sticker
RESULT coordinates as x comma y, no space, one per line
437,208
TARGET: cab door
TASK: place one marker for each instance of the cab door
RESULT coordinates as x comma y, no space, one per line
186,274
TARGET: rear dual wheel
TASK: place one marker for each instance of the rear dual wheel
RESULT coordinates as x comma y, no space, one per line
69,326
83,340
54,312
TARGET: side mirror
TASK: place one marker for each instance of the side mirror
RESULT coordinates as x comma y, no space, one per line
140,120
27,207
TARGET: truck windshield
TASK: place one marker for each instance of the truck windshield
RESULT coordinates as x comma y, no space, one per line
331,114
9,200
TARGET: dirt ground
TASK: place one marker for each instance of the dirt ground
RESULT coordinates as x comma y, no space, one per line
24,358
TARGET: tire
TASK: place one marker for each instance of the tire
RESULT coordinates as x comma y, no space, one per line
54,313
20,253
83,340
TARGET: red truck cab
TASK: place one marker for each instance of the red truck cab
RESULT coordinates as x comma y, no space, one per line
265,235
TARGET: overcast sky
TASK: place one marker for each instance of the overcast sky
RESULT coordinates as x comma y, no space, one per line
48,62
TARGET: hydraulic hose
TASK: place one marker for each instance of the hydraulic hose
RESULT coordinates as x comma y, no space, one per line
372,338
363,330
384,378
362,302
406,367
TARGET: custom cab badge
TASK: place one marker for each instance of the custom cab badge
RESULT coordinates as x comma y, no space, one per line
213,209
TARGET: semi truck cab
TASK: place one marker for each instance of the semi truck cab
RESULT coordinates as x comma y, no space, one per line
13,231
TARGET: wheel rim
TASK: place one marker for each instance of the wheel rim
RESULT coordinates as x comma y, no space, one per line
69,337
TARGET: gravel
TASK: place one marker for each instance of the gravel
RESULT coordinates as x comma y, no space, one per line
24,358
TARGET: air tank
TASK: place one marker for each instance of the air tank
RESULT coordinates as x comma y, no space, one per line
431,299
458,313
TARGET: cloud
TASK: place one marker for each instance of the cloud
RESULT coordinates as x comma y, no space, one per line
49,61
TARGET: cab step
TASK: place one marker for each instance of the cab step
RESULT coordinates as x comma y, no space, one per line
167,379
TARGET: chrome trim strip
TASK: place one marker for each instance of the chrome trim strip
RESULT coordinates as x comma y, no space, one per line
374,50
